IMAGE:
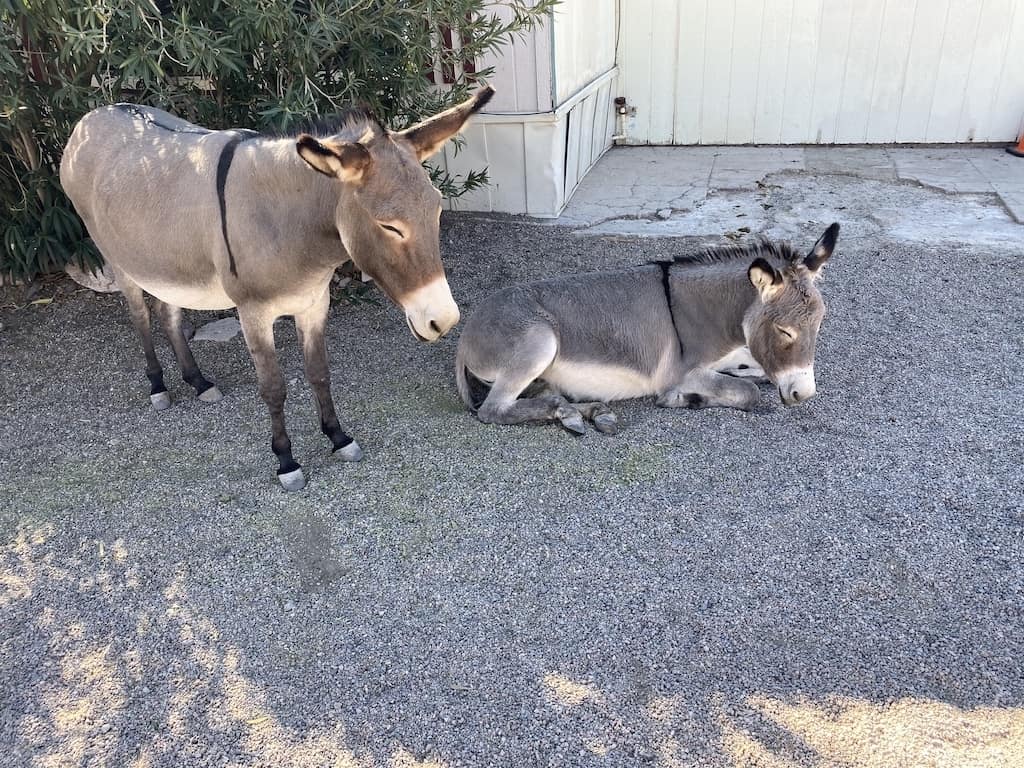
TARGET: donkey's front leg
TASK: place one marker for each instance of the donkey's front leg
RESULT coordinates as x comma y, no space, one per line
701,388
310,327
258,329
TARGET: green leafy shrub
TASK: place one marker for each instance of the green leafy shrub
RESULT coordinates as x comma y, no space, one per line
264,64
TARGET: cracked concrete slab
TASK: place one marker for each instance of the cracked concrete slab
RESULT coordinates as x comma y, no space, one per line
715,191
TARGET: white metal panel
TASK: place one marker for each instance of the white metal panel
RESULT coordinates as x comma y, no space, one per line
1007,114
691,19
636,70
858,75
890,76
717,72
829,71
772,70
924,52
801,69
663,73
834,41
990,51
544,148
954,67
522,69
532,167
584,43
746,50
572,149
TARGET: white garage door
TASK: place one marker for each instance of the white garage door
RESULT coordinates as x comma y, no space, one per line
822,71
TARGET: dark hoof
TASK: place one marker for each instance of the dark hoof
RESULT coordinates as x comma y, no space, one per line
161,401
574,423
607,424
211,395
350,452
293,481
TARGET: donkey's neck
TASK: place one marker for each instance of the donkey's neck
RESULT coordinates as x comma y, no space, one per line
304,198
709,303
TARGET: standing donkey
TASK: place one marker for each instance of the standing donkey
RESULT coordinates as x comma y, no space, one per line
672,329
217,219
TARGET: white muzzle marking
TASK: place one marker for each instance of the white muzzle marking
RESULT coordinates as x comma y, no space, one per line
796,385
431,311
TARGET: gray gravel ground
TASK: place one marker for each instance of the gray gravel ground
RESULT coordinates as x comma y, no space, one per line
837,584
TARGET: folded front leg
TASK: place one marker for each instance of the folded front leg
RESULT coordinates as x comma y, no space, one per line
740,363
709,389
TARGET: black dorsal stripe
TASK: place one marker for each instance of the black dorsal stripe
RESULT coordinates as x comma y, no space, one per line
666,286
227,154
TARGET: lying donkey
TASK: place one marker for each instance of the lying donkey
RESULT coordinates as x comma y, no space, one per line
218,219
667,329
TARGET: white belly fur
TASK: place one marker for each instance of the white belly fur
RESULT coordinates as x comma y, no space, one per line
597,381
210,296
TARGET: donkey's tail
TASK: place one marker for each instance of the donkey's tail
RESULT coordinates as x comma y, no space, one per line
472,392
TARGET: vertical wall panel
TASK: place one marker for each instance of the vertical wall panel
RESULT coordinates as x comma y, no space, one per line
584,39
748,29
859,73
990,51
834,34
806,71
717,71
691,30
954,67
664,71
890,70
801,61
522,69
1007,114
927,34
772,72
635,69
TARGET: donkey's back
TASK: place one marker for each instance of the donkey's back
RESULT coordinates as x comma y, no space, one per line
144,183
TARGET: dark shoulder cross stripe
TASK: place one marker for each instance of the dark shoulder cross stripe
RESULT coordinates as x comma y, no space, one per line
227,154
666,267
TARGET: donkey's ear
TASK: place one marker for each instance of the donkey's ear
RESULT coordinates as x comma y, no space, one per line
430,135
345,160
765,278
822,249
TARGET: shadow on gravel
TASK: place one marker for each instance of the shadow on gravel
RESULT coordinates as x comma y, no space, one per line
838,584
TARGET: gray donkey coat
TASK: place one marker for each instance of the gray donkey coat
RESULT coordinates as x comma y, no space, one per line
217,219
684,331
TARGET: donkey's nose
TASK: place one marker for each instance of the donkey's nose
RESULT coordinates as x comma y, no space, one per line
797,386
431,311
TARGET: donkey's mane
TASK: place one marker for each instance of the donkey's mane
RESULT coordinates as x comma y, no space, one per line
351,123
759,248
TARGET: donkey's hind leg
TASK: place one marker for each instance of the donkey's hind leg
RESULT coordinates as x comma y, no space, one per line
602,417
533,355
139,312
170,317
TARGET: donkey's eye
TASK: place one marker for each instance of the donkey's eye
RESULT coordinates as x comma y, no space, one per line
392,230
787,332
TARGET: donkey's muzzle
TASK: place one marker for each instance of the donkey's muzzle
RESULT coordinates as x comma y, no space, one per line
431,311
797,386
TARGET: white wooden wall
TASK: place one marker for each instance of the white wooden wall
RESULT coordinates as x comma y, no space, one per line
522,70
822,71
546,66
551,117
584,40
